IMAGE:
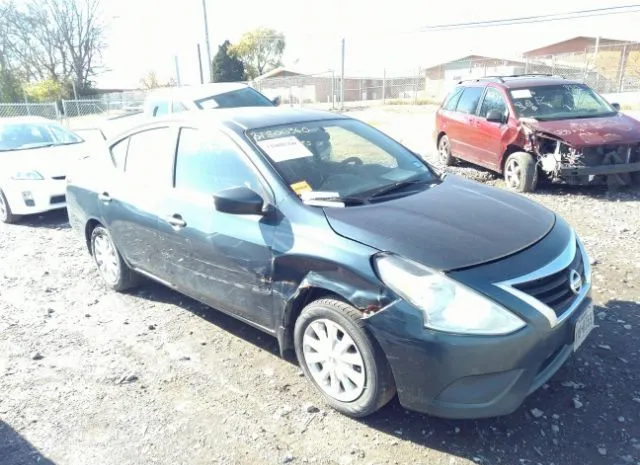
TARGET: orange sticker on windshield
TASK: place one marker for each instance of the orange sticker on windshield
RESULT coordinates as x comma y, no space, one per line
300,187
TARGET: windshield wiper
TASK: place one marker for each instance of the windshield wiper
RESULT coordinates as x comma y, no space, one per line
398,186
319,198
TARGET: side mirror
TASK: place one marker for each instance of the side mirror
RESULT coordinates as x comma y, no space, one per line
276,101
495,116
239,201
616,106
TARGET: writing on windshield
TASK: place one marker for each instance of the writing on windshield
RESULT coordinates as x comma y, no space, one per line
559,101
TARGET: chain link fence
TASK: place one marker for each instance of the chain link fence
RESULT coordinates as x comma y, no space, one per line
44,110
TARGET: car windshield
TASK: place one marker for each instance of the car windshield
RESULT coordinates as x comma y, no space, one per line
29,135
246,97
341,159
564,101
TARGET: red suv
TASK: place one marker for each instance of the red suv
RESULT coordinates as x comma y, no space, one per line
533,127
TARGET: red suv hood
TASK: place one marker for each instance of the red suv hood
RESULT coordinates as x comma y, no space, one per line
583,132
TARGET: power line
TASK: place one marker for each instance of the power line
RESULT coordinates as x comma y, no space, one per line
536,19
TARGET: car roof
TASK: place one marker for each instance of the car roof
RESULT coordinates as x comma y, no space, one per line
199,91
238,119
519,82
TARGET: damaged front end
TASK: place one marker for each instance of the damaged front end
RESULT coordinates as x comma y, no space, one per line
614,165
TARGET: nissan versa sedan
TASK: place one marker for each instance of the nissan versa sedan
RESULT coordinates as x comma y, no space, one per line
382,274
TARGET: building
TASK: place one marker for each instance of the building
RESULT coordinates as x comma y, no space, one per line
474,66
581,45
294,87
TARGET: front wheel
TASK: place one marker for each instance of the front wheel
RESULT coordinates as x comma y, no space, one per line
341,359
114,271
6,215
444,151
521,172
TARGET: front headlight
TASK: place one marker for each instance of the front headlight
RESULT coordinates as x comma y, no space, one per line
27,176
446,304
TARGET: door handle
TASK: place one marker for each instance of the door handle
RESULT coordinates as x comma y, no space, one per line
104,197
176,221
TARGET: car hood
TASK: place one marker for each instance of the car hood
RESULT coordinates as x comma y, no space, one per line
451,225
48,161
585,132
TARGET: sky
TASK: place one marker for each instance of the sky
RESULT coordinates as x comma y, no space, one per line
145,35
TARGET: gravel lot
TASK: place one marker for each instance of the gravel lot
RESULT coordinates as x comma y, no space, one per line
88,376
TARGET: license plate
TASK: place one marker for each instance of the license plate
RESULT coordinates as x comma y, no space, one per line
584,325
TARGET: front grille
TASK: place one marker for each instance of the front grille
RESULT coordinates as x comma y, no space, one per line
554,290
57,199
59,178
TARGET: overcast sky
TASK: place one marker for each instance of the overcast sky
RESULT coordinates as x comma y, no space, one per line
147,34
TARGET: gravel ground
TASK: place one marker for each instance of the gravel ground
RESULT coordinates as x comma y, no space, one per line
88,376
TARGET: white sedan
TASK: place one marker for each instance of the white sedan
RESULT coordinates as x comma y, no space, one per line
35,156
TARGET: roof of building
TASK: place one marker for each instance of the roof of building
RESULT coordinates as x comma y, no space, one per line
548,47
275,72
479,58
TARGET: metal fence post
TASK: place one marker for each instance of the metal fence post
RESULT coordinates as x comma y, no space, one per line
342,79
384,85
333,90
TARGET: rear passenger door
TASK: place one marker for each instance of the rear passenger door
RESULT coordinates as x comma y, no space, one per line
132,200
462,124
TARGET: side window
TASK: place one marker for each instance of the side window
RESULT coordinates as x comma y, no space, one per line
177,107
493,100
161,108
452,99
210,162
468,102
150,157
119,153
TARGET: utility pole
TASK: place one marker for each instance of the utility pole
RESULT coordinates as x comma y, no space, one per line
175,58
200,65
342,79
206,38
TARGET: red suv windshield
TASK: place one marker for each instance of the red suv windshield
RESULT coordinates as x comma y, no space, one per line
552,102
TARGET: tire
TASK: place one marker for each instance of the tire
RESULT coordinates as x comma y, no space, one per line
6,216
521,172
115,273
371,385
444,151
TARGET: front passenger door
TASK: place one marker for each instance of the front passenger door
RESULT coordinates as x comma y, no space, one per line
222,259
488,135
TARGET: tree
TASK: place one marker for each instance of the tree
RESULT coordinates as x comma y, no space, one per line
150,81
260,50
44,91
227,67
57,39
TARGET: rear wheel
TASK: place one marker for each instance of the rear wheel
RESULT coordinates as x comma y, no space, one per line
521,172
114,271
6,216
341,359
444,151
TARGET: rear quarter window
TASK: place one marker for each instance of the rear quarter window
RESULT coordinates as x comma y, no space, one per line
451,101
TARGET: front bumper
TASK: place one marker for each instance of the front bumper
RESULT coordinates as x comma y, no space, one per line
457,376
619,168
32,197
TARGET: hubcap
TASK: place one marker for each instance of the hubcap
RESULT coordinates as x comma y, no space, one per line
334,360
444,150
3,208
513,174
106,258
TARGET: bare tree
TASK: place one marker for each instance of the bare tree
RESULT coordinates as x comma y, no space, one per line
58,39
